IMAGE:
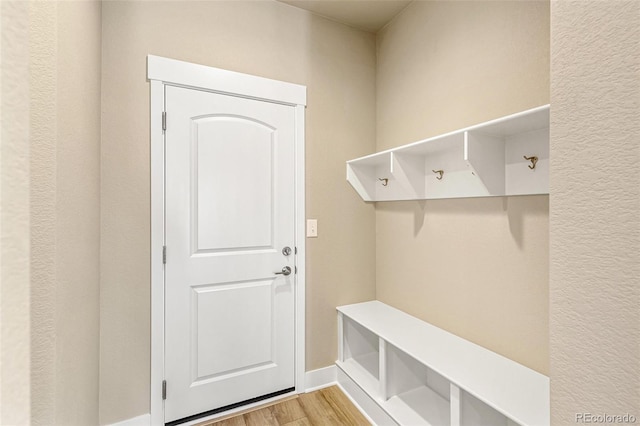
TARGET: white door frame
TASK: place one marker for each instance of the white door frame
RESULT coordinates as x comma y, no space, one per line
163,71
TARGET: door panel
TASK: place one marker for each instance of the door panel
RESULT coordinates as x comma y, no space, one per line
229,322
221,350
234,167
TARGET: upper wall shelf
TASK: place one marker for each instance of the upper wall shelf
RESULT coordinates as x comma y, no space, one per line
484,160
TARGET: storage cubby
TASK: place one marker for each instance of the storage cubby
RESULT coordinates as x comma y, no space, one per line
506,156
438,168
518,177
404,371
364,175
360,355
474,412
415,394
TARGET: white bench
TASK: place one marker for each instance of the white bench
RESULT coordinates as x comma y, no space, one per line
402,370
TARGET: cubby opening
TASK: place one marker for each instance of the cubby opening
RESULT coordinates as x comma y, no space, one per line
436,168
474,412
361,355
364,175
416,395
520,179
501,152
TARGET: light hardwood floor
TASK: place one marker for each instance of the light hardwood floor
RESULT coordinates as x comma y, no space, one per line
328,406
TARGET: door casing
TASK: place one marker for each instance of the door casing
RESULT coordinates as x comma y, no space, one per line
160,72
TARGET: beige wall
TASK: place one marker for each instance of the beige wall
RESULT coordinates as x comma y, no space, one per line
475,267
43,163
268,39
78,212
65,214
456,247
595,205
15,341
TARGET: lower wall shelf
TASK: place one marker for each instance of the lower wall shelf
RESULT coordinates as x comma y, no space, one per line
419,406
404,371
360,369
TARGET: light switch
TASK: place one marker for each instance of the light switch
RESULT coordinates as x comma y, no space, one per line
312,228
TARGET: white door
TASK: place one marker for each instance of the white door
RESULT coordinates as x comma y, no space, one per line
229,320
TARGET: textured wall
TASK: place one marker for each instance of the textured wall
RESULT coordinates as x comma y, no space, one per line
65,163
475,267
77,212
595,205
15,345
272,40
43,103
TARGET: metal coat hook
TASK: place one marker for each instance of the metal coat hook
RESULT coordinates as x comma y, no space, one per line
438,172
384,181
533,160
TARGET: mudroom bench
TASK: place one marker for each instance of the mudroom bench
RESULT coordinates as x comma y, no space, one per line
404,371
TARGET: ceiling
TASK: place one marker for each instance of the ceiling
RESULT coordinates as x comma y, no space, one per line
368,15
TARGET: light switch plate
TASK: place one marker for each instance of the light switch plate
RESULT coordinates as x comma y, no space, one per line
312,228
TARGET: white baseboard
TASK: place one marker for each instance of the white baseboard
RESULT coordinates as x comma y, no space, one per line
320,378
143,420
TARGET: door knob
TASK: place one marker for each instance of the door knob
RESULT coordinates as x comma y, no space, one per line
285,271
286,251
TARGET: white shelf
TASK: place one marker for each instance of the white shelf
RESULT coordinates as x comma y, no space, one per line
478,161
361,371
418,357
420,406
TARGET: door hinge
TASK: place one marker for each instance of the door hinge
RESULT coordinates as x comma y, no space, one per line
164,390
164,121
164,255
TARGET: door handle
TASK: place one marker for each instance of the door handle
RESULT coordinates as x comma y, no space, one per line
285,271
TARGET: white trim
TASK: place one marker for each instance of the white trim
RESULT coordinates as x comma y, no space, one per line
300,241
162,71
143,420
454,403
157,243
171,71
320,378
340,337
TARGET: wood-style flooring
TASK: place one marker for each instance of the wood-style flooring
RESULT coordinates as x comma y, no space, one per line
328,406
